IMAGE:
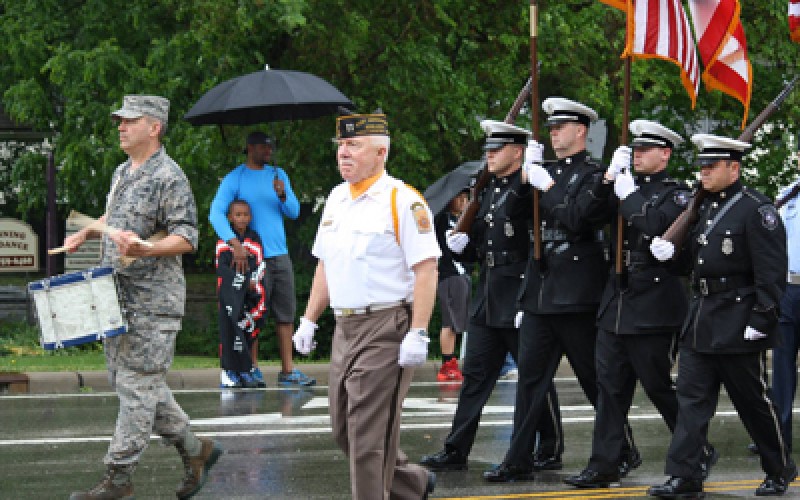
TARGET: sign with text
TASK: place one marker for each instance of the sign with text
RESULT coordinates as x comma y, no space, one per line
88,255
19,246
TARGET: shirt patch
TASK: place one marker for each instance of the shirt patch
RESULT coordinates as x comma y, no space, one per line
421,217
769,217
681,198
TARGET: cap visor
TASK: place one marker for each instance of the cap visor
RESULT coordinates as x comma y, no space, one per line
704,162
555,121
126,113
493,147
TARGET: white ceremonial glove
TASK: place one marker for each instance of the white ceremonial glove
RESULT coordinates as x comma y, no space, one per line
751,333
303,337
662,249
620,161
624,184
414,348
534,153
518,319
457,242
538,177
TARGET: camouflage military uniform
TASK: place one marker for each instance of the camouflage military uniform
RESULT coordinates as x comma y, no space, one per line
154,197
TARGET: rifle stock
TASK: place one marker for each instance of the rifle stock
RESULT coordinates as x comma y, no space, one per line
464,223
676,233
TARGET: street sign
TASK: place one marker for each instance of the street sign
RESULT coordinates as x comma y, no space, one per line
19,246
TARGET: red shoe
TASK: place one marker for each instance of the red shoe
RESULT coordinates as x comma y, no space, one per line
449,372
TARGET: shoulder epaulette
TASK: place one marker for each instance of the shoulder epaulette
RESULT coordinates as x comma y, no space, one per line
755,195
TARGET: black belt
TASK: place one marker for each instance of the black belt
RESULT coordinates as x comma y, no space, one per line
708,286
560,235
504,258
635,260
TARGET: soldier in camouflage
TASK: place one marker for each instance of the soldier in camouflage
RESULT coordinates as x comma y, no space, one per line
150,196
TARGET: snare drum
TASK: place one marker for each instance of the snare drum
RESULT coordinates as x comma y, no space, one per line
77,307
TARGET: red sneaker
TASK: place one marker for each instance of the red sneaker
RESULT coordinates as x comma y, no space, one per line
449,372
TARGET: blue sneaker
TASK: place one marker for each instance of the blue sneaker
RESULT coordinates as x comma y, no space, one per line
296,377
258,377
247,380
228,379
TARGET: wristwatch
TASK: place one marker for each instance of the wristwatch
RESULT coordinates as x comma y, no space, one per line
421,331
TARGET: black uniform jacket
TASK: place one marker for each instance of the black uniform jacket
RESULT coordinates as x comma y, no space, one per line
738,272
499,241
572,272
646,298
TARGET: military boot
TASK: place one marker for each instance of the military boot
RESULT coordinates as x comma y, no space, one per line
196,468
115,485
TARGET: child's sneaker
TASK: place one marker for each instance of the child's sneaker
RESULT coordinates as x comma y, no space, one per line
258,377
247,380
229,379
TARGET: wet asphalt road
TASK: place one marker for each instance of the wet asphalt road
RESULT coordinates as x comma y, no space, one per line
277,445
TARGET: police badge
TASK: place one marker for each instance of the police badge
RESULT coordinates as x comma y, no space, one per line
727,246
681,198
509,229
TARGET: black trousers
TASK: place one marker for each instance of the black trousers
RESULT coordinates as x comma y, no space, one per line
486,351
744,377
620,361
544,339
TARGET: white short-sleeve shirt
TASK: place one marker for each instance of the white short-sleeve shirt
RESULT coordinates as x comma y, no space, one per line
356,240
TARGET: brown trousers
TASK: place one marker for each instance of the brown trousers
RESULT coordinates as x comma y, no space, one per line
367,389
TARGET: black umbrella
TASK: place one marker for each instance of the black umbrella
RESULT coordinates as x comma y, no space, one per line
439,194
267,96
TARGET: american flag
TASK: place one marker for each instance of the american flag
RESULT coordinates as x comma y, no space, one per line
723,49
794,20
660,29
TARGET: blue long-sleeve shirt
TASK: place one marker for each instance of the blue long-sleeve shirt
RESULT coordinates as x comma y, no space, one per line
255,187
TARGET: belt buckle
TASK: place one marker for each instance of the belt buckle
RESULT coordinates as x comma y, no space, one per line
347,311
702,284
490,259
626,257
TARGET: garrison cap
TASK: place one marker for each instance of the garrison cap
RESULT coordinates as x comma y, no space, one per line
498,134
561,110
359,125
648,134
135,106
713,148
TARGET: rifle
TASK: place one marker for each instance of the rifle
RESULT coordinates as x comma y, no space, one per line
676,233
464,223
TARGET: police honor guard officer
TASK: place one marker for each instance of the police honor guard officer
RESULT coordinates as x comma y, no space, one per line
499,240
736,252
377,269
560,293
641,310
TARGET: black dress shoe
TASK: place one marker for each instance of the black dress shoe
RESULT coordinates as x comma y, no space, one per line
445,460
507,473
710,457
592,479
430,486
629,462
678,487
777,485
547,462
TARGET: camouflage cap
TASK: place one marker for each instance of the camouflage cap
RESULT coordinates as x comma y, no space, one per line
134,106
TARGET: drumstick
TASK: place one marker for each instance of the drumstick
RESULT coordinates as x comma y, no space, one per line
98,225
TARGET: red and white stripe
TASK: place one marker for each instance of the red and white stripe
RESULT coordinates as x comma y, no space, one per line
723,48
794,20
660,29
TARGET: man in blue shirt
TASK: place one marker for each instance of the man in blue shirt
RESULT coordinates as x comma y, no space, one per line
268,191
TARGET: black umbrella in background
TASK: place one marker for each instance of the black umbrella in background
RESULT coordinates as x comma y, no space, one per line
267,96
439,194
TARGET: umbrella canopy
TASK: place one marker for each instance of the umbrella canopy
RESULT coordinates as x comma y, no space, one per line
439,194
267,96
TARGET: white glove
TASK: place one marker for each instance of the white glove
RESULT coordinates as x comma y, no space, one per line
457,242
303,337
751,333
619,162
534,153
518,319
538,177
662,249
624,185
413,349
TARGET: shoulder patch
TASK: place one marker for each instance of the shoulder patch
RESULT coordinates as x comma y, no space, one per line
680,198
769,217
421,218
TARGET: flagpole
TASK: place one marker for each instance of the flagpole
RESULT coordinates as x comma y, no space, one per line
537,224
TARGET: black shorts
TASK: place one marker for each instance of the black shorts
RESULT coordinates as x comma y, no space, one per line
454,295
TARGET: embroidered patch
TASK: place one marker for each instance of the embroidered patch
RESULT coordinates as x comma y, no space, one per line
769,217
681,198
421,217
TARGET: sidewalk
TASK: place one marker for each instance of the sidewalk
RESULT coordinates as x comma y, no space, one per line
205,378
